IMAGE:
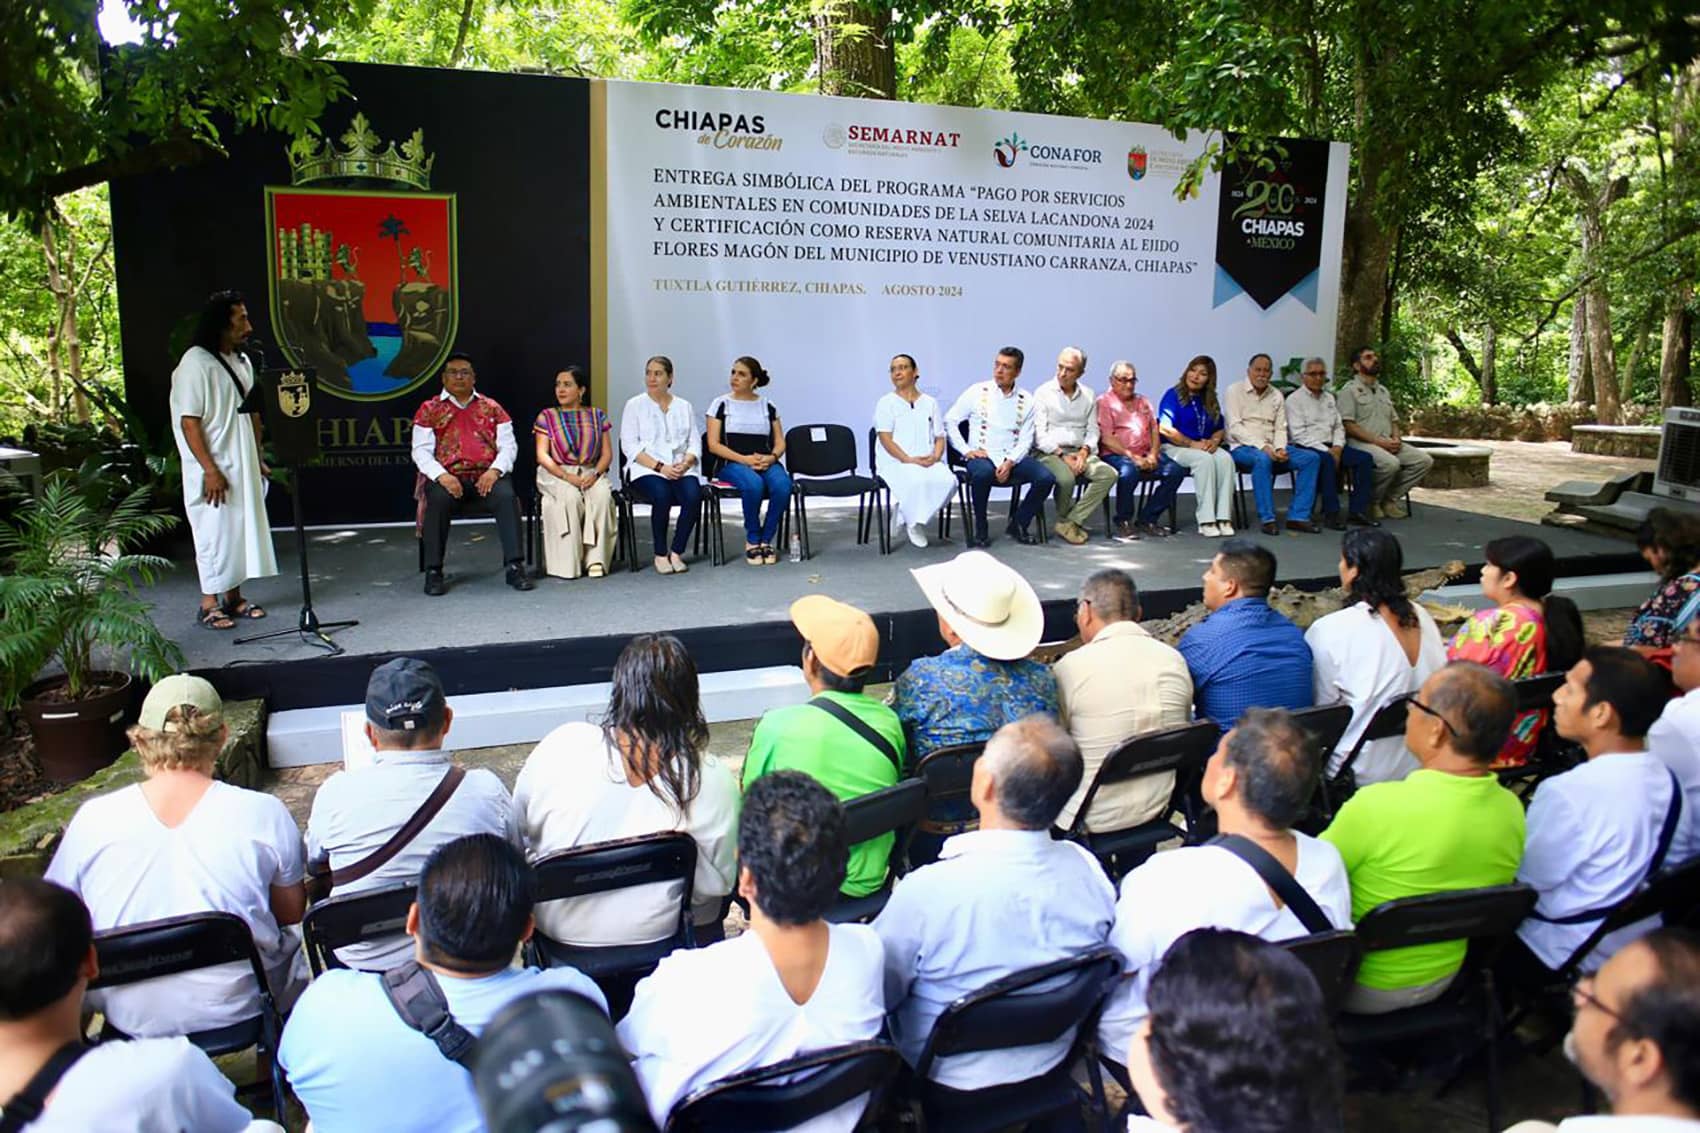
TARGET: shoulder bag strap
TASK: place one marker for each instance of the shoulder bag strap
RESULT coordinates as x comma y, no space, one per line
1666,832
418,998
28,1103
434,802
862,728
1285,885
242,395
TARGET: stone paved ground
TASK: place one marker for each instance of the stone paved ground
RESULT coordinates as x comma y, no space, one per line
1520,474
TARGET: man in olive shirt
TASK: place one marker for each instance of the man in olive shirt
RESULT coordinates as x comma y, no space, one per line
1448,825
1372,426
849,743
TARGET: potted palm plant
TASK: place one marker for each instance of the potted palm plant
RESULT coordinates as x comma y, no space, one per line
75,630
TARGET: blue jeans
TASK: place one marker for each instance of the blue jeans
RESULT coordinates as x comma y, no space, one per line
982,477
1128,474
1362,466
775,484
662,495
1303,463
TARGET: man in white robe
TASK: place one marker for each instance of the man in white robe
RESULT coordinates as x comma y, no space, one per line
223,477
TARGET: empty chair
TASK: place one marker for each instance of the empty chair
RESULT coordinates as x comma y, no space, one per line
822,460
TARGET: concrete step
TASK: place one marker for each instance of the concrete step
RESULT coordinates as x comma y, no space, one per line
1590,592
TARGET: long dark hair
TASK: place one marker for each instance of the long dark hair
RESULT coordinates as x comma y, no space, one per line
214,319
1533,563
654,718
1208,393
1379,561
1675,533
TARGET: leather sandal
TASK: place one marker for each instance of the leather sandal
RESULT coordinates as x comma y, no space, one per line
214,617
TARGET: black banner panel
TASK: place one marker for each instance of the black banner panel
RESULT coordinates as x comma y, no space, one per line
1269,225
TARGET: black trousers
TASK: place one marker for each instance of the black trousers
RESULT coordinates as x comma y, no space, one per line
440,507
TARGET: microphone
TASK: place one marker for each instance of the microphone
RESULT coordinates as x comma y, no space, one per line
257,348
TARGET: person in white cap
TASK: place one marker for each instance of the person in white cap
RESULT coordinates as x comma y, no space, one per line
180,843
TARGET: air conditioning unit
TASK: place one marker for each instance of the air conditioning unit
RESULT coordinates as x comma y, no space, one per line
1678,475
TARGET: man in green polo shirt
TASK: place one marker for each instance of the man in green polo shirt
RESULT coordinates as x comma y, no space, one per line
848,742
1448,825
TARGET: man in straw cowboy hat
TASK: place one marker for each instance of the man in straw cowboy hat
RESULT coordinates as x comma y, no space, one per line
990,619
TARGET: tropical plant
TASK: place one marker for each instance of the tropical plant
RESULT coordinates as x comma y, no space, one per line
68,588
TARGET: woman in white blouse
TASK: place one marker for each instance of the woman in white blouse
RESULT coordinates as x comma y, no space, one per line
658,438
643,771
745,433
910,456
1381,647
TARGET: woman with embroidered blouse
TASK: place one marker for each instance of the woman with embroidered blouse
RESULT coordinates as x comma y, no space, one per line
577,503
1670,542
663,455
1191,422
746,438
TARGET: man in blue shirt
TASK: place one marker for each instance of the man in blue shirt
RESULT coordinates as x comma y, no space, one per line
1244,654
357,1065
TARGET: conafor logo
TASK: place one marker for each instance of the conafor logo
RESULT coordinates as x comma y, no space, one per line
1042,155
1007,149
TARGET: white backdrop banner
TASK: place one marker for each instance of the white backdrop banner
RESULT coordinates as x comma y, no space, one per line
824,235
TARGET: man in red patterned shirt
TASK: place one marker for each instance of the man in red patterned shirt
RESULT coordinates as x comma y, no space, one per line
463,445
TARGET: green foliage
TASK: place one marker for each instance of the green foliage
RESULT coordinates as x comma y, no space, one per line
958,65
553,36
69,588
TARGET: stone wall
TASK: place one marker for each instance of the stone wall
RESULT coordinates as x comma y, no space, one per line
1640,441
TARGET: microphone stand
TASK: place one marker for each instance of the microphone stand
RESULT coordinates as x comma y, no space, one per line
311,630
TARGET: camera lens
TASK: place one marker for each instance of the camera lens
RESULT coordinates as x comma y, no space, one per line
550,1063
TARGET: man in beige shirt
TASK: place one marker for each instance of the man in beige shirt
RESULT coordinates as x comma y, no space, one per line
1120,683
1372,425
1257,440
1065,437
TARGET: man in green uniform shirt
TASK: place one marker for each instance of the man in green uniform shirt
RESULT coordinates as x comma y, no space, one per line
848,742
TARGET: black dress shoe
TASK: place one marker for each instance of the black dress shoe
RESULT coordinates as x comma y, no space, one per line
1021,535
434,583
1304,525
1359,519
1337,521
1271,529
517,578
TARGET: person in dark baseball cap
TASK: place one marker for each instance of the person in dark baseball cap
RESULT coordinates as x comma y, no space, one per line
405,695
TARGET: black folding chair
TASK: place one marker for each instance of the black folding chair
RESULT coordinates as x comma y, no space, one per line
827,467
1243,512
625,534
354,918
168,947
1181,751
1326,724
606,867
890,810
1553,754
714,490
1332,958
1388,721
788,1094
944,517
947,773
1467,1013
1038,1005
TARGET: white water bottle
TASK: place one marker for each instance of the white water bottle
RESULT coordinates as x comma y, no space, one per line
796,555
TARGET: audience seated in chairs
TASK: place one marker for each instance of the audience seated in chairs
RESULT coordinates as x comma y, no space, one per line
1119,683
643,771
789,985
1237,1039
1259,781
1245,654
1596,832
1675,736
1636,1038
1447,825
1670,542
359,815
848,742
179,843
358,1064
1001,899
47,958
1382,646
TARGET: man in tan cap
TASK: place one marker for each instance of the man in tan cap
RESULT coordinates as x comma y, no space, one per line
848,742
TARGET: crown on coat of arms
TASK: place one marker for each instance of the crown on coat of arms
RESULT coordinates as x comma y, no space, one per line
362,155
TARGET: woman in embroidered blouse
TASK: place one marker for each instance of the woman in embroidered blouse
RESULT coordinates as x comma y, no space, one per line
745,435
1670,542
663,453
1529,630
1190,420
573,454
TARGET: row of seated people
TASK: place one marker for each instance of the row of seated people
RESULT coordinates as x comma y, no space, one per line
1004,898
1042,441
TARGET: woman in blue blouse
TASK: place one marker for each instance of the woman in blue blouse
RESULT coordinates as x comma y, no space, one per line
1191,423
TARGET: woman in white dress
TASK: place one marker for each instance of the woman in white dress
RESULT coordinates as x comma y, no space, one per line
1381,647
910,455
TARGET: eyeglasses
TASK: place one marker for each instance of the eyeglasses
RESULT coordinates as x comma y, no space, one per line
1581,995
1426,710
458,372
1126,379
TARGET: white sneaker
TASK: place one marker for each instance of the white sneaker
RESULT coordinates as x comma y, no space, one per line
917,534
1221,530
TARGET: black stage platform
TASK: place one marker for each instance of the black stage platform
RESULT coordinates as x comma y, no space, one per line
485,637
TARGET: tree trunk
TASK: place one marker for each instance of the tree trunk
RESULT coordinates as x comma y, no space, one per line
56,286
457,52
1581,380
853,50
1593,201
1676,347
1490,374
1368,258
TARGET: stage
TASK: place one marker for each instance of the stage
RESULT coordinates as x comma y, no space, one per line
486,637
